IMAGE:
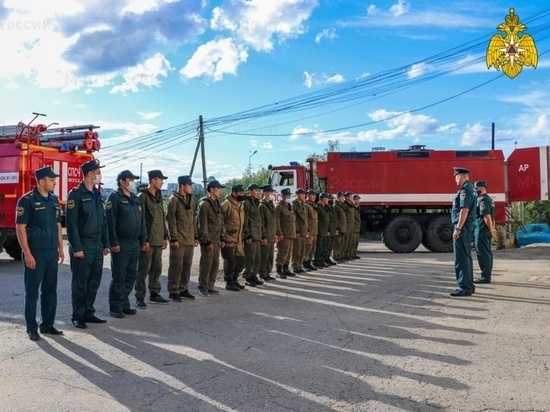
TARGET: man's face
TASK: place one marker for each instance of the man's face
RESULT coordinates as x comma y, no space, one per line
48,184
311,197
324,201
157,183
187,189
301,197
255,193
267,195
215,192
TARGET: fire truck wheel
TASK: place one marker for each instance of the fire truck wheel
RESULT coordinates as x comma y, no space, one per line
12,248
438,236
402,235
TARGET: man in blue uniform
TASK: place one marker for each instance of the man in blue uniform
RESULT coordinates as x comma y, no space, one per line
88,243
484,230
126,235
38,230
463,217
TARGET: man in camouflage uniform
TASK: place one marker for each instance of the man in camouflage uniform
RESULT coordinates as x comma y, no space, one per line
340,208
323,232
211,237
184,238
312,224
252,233
286,233
299,245
269,236
150,260
233,250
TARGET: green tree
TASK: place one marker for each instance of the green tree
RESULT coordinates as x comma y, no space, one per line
535,212
332,146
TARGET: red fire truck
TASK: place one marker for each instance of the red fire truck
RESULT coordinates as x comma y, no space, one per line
25,148
407,194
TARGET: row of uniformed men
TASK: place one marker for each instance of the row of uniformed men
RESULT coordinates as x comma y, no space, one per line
135,229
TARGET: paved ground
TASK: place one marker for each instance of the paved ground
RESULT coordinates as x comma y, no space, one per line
377,334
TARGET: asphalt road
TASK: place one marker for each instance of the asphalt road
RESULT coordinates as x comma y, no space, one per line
377,334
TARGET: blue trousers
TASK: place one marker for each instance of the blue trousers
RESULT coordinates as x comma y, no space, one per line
43,278
484,253
464,265
86,278
124,269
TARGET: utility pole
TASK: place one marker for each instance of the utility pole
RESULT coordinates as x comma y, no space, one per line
250,163
200,145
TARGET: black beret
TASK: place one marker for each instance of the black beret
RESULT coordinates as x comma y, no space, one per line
126,174
311,192
300,191
185,180
481,183
285,192
267,188
324,195
156,173
90,165
459,170
43,172
253,186
214,183
237,188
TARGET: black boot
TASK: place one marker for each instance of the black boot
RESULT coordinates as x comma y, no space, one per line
230,285
287,271
280,272
309,266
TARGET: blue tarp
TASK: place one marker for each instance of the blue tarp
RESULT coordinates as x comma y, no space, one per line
533,233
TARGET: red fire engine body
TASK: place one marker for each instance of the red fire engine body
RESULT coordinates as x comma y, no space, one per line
25,148
407,194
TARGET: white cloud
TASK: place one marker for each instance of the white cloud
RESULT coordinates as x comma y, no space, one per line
316,79
399,8
215,59
146,74
149,115
363,75
372,10
337,78
475,134
325,34
417,70
12,85
308,80
258,24
267,145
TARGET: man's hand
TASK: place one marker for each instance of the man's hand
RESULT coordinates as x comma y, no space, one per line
249,241
222,244
145,248
106,251
494,233
263,242
196,243
60,257
210,247
30,261
164,244
79,255
456,234
175,245
115,249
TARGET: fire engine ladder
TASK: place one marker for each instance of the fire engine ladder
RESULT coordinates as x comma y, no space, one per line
9,132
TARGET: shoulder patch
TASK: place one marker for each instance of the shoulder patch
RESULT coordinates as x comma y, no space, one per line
462,194
70,204
20,211
482,205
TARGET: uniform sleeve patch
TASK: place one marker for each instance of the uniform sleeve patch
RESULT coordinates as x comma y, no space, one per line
70,204
482,206
462,194
20,211
108,205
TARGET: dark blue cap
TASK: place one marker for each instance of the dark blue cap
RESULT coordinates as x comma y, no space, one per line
300,191
90,165
185,180
253,186
340,194
348,194
311,192
324,195
156,173
285,192
459,170
267,188
481,183
214,183
126,174
43,172
237,188
356,197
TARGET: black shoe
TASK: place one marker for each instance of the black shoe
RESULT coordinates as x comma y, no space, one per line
309,266
33,335
281,275
186,295
330,262
231,286
157,299
269,278
258,280
236,283
289,273
213,291
118,315
299,270
460,292
129,311
79,323
250,282
482,280
203,293
140,303
94,319
174,297
52,331
357,257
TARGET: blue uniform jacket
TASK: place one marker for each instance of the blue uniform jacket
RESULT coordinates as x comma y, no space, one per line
465,197
124,219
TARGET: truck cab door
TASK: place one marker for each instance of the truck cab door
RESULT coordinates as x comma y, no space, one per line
283,179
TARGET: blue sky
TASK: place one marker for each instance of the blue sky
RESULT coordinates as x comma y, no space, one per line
134,67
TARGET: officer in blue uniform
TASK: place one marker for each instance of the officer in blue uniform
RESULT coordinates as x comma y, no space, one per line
88,242
484,230
38,229
463,217
126,235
